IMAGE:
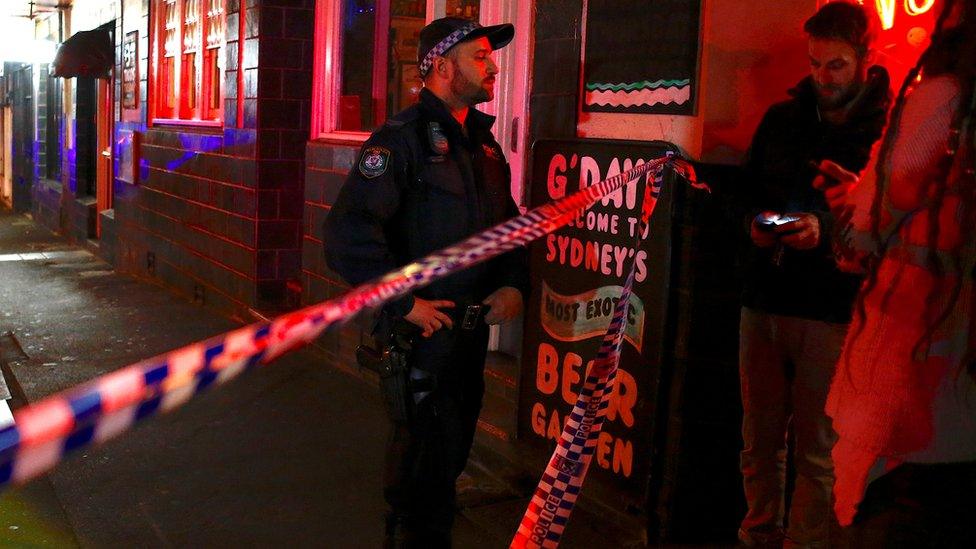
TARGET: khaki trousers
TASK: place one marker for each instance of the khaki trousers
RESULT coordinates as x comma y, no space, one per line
785,368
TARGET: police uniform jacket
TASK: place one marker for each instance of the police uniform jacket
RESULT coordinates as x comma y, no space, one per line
422,184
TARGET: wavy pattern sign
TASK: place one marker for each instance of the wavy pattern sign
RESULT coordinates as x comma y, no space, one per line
639,98
641,56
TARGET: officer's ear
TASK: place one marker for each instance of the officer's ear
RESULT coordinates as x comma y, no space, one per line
443,66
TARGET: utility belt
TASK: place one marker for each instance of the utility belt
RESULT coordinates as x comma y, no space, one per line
400,386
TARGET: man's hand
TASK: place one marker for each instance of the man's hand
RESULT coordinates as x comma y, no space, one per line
427,315
505,303
802,234
836,184
761,238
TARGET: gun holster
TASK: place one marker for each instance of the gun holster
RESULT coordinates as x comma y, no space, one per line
391,365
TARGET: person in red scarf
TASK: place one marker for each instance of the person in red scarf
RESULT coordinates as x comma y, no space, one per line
903,399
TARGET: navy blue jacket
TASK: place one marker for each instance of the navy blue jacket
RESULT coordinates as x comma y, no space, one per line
422,184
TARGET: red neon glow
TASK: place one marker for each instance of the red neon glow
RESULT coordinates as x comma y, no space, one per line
887,8
913,8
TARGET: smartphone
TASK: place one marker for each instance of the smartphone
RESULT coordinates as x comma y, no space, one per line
767,223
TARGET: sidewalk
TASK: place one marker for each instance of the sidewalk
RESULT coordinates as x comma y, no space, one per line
288,455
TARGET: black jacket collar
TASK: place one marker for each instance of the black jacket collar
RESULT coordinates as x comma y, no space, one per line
476,121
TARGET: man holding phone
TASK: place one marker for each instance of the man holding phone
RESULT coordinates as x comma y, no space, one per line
796,303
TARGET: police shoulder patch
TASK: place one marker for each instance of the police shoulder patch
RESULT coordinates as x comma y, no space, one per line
374,162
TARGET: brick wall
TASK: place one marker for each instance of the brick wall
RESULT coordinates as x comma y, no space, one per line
191,221
325,171
282,87
217,213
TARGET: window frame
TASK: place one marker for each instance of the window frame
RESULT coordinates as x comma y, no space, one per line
201,113
327,75
327,72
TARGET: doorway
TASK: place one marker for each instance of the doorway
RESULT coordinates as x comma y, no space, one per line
510,107
511,104
86,137
6,187
104,196
22,138
95,112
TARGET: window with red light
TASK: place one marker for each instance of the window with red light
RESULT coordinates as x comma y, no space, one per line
378,75
367,62
188,52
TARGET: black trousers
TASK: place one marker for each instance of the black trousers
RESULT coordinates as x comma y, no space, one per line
426,455
916,506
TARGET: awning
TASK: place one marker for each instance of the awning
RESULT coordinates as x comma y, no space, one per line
86,53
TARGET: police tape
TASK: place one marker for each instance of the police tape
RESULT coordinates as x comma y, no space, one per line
101,409
555,496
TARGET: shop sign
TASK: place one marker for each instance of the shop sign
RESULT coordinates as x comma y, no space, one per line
577,275
130,70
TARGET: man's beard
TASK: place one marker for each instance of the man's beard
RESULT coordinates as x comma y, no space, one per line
468,91
837,100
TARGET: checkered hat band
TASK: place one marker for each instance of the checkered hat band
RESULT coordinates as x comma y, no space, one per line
447,43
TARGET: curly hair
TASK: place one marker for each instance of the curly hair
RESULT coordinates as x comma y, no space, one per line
952,52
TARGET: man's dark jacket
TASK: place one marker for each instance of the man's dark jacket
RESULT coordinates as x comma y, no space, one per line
422,184
778,176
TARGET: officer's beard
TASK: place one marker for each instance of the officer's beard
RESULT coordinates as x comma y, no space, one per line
467,91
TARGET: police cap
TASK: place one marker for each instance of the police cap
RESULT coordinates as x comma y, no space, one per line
443,34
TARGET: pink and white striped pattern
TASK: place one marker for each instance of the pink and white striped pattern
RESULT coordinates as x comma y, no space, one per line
678,95
109,405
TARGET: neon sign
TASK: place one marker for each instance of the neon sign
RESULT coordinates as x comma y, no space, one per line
886,9
912,7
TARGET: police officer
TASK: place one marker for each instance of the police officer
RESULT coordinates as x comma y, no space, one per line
430,177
